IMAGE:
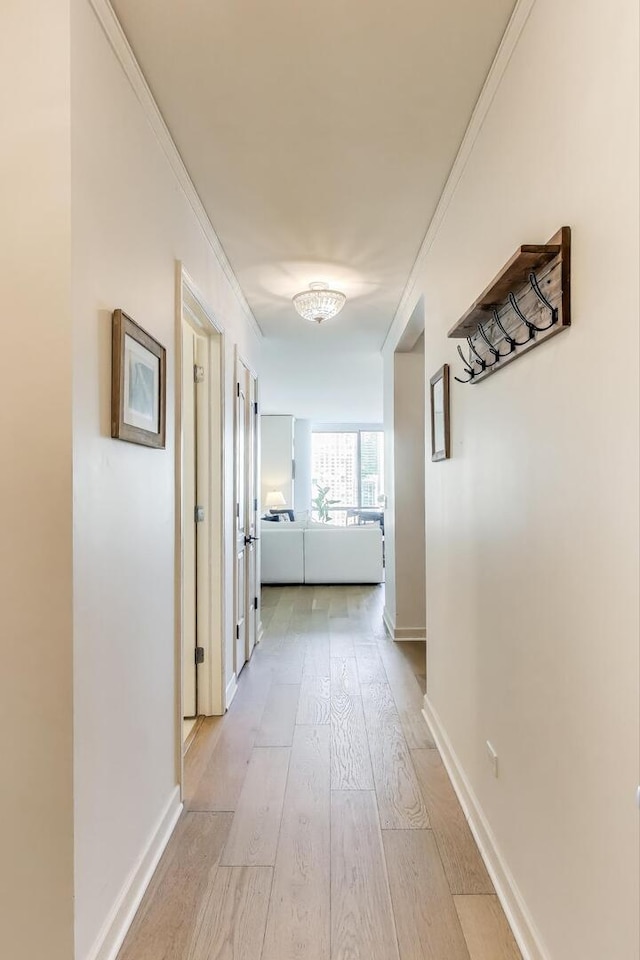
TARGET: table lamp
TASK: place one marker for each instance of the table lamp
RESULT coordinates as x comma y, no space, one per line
275,498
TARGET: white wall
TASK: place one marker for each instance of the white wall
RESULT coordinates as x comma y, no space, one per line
532,525
36,705
389,488
276,467
407,616
303,489
131,223
402,337
336,386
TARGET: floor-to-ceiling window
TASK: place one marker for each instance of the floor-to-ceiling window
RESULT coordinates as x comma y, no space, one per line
348,468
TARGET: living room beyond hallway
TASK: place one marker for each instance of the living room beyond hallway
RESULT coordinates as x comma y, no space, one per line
319,820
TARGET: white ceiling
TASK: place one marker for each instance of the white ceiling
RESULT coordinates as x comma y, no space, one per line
319,136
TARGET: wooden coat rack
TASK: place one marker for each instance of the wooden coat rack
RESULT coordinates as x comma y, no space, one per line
527,303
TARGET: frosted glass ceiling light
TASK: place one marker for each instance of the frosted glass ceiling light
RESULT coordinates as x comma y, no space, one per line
318,303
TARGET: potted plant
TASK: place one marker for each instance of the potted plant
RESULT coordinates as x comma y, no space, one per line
322,503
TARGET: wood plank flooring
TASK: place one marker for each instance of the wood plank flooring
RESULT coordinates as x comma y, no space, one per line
319,821
362,921
298,926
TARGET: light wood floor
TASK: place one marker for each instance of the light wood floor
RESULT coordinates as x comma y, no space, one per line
319,821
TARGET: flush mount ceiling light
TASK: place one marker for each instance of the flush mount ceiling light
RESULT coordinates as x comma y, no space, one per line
318,303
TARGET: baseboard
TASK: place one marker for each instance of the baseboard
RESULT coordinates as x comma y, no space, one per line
402,633
119,920
513,904
192,734
410,633
230,692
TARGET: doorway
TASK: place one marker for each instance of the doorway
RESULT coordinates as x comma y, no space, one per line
194,371
405,533
246,455
199,510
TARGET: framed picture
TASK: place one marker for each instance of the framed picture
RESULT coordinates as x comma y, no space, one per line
439,392
138,384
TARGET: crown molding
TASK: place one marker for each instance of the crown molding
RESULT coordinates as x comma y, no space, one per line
126,57
500,63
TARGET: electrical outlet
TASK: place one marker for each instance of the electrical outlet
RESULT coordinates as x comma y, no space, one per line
493,757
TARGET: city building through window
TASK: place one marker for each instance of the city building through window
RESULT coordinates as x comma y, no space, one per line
351,464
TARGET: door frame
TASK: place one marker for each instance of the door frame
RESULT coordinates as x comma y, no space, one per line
192,308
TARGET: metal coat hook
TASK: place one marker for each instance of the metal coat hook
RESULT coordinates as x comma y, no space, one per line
467,368
535,286
531,326
484,365
465,361
510,340
494,350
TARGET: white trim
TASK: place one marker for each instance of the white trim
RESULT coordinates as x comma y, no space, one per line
402,633
198,302
240,356
232,689
500,63
389,624
121,915
120,46
197,312
520,920
409,633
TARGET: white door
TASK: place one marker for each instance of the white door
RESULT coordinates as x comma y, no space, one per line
241,487
189,503
200,538
251,557
246,467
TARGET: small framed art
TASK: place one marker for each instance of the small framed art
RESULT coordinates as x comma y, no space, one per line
138,384
439,393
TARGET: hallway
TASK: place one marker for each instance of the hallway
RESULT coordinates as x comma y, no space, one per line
319,821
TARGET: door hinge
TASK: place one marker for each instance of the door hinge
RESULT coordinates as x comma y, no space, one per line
237,510
198,373
237,631
255,603
198,514
237,389
255,503
199,654
255,408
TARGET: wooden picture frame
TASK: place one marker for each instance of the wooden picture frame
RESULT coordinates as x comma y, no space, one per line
440,424
138,384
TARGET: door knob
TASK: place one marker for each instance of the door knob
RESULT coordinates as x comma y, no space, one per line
250,540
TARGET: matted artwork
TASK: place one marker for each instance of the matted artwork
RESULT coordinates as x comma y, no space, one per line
440,414
138,384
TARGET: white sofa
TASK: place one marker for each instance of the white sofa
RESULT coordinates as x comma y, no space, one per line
281,553
320,553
